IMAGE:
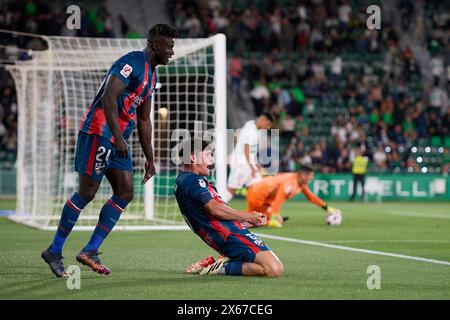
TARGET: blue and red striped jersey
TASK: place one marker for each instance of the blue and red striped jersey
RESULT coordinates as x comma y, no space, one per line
192,193
135,71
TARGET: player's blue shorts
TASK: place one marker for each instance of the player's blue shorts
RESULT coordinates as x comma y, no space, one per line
243,246
95,155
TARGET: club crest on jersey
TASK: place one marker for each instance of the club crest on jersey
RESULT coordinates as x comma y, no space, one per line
202,183
126,70
99,167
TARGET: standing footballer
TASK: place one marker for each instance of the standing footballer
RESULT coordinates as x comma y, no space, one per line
124,99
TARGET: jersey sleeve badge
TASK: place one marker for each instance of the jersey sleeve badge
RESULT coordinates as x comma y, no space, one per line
126,70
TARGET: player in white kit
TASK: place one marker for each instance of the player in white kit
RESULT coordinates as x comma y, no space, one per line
244,167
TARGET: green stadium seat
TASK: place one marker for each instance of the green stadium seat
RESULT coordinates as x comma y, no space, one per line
436,141
446,142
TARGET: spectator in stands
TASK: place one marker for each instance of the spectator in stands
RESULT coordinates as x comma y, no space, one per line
305,159
379,158
412,166
260,96
336,69
288,159
408,125
398,136
236,69
438,99
287,127
343,163
301,126
434,124
446,124
407,12
193,25
419,120
124,27
446,161
316,154
344,11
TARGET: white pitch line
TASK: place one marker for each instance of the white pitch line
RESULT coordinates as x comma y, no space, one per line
333,246
420,215
384,241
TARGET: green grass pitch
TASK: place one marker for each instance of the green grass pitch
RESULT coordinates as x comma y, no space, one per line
149,264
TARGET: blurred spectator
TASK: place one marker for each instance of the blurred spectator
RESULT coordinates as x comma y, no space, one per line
124,27
236,68
379,158
193,26
336,69
438,99
260,96
437,68
344,12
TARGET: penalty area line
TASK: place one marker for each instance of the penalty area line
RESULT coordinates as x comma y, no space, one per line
351,249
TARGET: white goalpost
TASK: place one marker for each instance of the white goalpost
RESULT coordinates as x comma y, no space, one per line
55,88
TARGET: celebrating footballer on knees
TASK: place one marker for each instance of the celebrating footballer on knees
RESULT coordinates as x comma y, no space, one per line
122,102
218,225
268,195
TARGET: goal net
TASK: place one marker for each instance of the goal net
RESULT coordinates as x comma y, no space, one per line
55,88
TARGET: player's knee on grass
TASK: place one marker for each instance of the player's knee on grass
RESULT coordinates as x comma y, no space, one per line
274,269
272,266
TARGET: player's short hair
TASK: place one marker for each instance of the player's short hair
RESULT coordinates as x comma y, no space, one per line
192,146
306,168
162,30
269,116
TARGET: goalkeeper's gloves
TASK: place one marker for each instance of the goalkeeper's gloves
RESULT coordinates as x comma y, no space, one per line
331,210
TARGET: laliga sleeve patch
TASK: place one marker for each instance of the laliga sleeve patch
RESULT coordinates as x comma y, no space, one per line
202,183
126,70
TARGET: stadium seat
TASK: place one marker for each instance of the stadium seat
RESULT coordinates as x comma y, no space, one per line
436,141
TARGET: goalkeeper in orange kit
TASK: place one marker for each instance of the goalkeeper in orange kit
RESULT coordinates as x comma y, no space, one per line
268,195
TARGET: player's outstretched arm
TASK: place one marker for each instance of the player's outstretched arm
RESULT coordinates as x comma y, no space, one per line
313,198
144,125
222,211
114,88
319,202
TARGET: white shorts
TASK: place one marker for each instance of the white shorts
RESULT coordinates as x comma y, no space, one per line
241,176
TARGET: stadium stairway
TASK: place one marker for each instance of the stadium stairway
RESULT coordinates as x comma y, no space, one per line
139,15
240,108
409,39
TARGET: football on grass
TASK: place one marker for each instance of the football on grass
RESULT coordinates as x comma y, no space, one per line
334,219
